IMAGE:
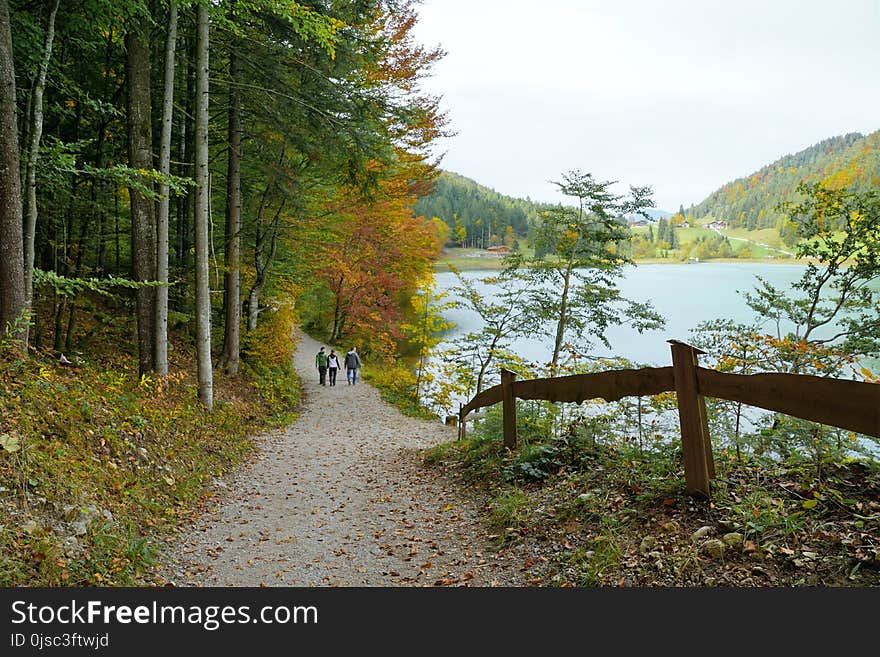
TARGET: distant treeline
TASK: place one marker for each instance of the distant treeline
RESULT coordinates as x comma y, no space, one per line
477,216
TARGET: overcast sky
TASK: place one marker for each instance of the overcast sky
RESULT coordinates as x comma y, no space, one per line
682,96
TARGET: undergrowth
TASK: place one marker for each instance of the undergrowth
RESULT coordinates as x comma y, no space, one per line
590,510
98,466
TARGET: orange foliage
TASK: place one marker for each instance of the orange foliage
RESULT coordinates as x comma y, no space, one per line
375,253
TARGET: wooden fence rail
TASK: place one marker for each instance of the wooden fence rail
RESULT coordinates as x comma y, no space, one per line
850,405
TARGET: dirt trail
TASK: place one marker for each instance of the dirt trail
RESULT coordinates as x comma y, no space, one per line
340,498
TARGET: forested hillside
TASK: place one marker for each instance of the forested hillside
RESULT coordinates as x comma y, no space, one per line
476,215
851,160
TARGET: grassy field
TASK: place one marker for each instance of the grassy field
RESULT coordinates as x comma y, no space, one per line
467,260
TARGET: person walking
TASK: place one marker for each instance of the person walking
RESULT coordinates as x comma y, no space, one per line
352,363
333,366
321,361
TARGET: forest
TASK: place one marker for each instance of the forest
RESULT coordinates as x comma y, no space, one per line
197,164
477,216
184,186
752,202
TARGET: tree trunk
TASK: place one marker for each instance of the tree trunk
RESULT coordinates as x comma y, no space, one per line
232,329
13,299
161,329
262,260
33,154
561,322
143,228
203,291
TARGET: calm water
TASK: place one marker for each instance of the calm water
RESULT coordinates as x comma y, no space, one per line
685,294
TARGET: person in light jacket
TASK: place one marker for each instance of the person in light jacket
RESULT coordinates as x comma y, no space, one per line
333,366
352,363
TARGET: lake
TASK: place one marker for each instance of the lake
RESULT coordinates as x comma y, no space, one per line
685,294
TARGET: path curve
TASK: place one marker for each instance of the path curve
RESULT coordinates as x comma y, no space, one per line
340,498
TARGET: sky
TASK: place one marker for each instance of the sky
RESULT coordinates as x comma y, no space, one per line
682,96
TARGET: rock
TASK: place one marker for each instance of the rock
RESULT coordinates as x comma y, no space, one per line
647,543
79,528
701,533
713,547
726,526
142,452
732,539
30,527
584,497
85,515
655,555
671,527
71,547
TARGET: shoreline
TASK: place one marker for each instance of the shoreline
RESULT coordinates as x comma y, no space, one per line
496,264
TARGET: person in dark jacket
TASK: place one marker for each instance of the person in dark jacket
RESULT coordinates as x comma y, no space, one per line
352,363
321,361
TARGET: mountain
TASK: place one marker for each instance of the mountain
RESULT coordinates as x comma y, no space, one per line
851,160
481,215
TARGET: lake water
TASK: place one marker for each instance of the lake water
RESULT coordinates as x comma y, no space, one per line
685,294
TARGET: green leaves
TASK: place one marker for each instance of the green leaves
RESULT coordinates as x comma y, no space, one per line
67,287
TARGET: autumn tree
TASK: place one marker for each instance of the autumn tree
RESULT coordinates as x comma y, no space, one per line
371,257
833,307
827,325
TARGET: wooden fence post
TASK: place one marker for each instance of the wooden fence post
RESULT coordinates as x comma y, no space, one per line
699,466
508,407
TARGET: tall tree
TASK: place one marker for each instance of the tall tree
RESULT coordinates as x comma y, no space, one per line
33,154
162,219
573,287
232,286
13,300
143,224
203,290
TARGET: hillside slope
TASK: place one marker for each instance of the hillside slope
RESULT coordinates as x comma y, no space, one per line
851,160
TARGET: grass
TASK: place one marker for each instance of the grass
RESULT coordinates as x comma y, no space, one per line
397,386
467,260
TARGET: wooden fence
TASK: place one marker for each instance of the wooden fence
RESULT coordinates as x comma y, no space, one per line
851,405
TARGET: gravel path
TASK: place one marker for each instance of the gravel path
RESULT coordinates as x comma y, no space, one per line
340,498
